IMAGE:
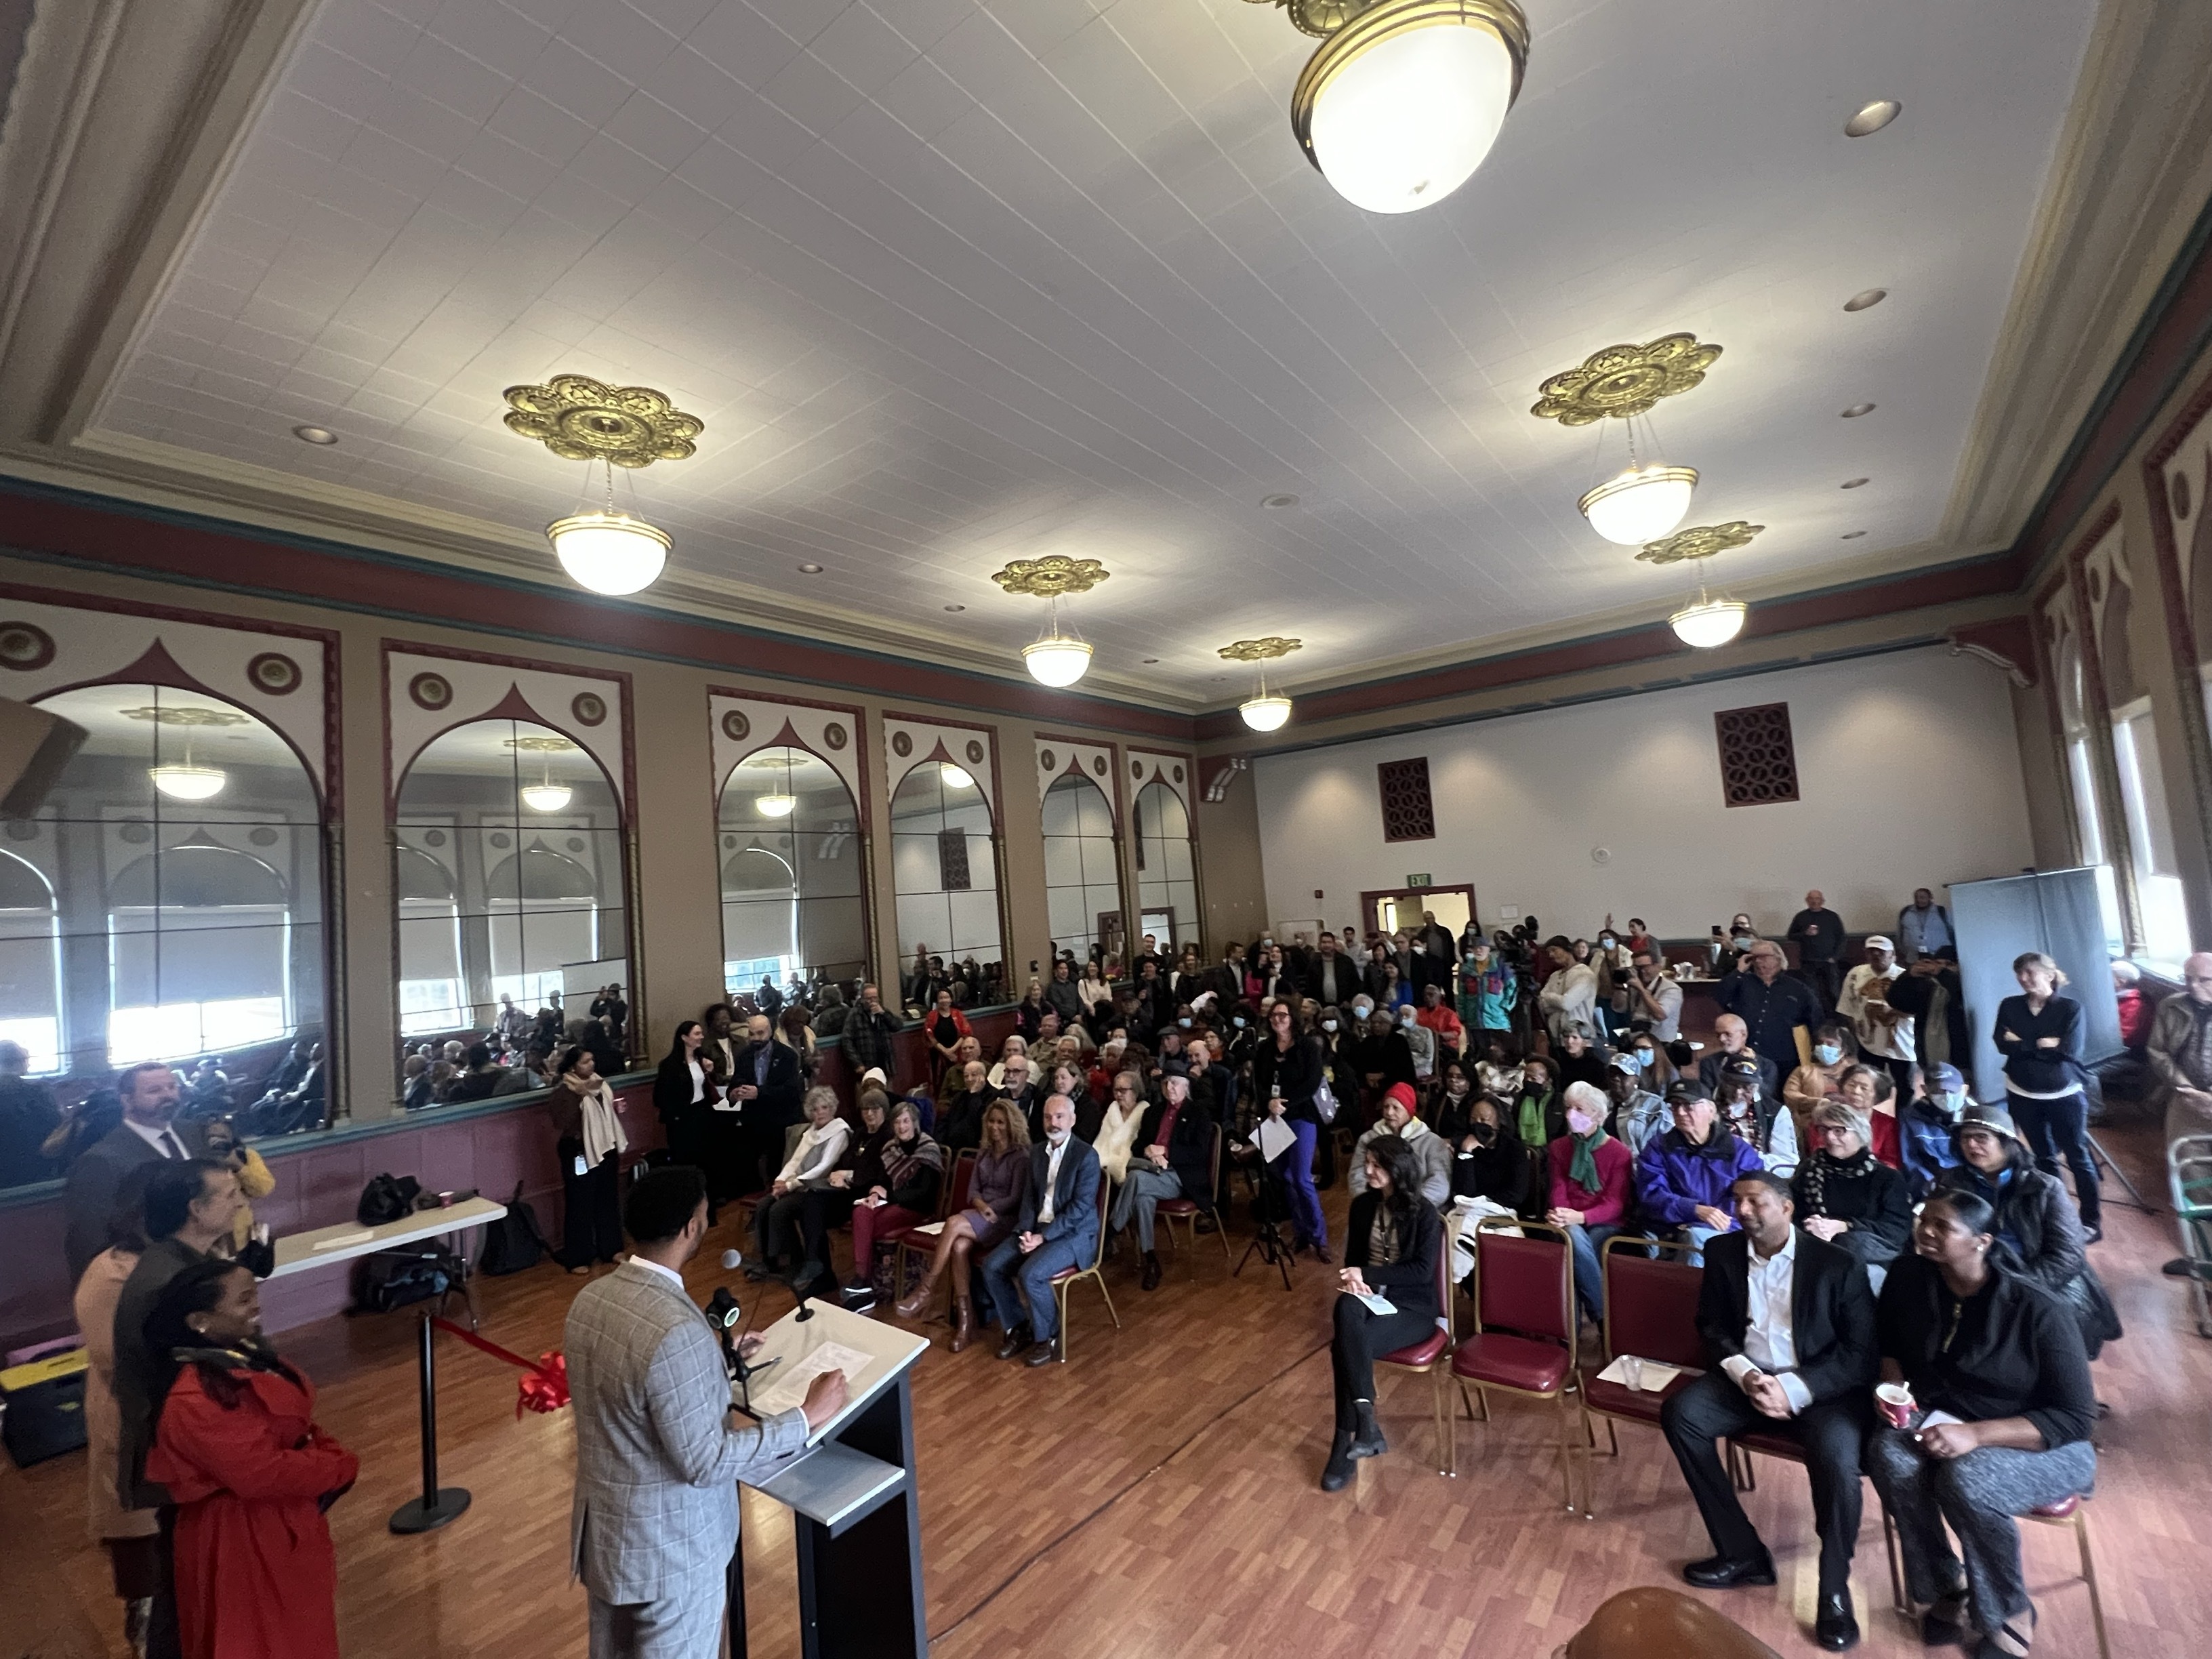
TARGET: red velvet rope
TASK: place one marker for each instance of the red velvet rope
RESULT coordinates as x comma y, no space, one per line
546,1387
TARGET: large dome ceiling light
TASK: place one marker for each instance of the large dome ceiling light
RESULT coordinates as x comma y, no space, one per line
1705,621
1060,657
187,781
1648,498
545,795
1405,97
1709,622
581,419
1263,711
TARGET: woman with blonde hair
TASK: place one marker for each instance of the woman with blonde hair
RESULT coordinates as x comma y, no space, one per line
996,1187
2039,1034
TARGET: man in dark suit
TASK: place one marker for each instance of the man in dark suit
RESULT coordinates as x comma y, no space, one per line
1790,1325
768,1090
148,1134
1058,1230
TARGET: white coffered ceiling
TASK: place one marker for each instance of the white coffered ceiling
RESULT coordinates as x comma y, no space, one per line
952,283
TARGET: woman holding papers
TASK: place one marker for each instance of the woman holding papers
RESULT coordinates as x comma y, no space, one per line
1389,1302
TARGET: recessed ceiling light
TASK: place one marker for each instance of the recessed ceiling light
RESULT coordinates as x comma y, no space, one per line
1852,483
1873,118
1280,500
1853,535
1150,661
955,607
1866,297
316,434
1857,409
811,570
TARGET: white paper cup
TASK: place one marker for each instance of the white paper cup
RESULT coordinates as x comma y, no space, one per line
1895,1400
1633,1369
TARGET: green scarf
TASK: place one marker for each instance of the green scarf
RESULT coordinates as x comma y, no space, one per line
1535,1109
1581,1168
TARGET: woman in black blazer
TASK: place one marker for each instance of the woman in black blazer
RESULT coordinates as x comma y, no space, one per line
2038,1032
1287,1070
684,1094
1393,1238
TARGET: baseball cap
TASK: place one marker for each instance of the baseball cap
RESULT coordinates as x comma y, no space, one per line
1881,942
1624,1061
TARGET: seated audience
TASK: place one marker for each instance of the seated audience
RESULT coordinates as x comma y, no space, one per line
1490,1163
1451,1098
1118,1127
1018,1091
1057,1229
1589,1197
2036,1229
1579,1059
913,1173
1437,1016
1926,1128
1539,1115
1835,1051
249,1473
1636,1115
996,1187
1015,1044
1172,1157
816,1153
1431,1155
1790,1323
2004,1366
859,1170
1382,1058
1684,1177
1392,1240
1734,1038
1846,1197
960,1114
1758,1119
1422,1043
1874,1097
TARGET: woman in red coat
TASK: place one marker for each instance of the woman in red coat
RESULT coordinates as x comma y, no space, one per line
250,1474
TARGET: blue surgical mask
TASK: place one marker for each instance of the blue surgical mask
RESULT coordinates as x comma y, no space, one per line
1184,1023
1827,1053
1237,1020
1743,941
1645,1057
1949,1102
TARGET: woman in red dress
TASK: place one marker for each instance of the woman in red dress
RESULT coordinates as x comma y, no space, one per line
250,1473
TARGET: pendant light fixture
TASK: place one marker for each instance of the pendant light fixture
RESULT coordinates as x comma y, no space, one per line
778,804
1405,97
187,781
1648,498
1061,656
1705,621
1263,711
581,419
955,777
1708,622
545,795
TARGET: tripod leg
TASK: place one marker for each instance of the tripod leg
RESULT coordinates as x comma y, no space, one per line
2104,1158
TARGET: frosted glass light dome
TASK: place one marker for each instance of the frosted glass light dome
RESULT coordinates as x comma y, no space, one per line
545,797
776,806
610,552
1709,622
189,782
1266,714
1400,106
1640,504
1056,660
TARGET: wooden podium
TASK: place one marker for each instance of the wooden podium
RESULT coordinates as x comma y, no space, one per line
852,1492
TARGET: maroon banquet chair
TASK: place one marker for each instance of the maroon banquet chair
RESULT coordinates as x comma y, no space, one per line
1188,1211
1650,1311
951,1198
1524,1326
1429,1357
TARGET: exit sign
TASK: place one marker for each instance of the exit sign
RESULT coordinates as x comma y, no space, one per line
1421,880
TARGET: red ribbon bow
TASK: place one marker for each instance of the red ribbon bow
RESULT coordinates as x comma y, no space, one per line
546,1387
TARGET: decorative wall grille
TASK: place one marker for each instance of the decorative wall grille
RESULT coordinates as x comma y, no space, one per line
953,861
1758,762
1407,813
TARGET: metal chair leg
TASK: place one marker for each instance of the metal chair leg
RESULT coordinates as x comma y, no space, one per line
1440,1409
1896,1563
2090,1575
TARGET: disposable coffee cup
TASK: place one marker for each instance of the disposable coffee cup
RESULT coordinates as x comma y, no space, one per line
1895,1401
1633,1369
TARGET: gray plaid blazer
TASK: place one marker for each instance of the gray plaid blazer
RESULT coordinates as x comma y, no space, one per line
655,1515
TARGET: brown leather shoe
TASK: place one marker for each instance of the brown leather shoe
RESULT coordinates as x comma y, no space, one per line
964,1323
910,1306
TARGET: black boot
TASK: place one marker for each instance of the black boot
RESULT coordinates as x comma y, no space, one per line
1369,1441
1151,1281
1338,1470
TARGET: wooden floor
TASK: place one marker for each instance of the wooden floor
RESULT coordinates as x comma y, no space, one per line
1157,1496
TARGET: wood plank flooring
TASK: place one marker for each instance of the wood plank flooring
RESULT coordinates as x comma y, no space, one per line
1157,1496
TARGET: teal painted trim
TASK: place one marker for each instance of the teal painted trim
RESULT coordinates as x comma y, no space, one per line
509,584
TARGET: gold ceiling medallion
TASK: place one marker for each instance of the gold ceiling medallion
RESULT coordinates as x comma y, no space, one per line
1051,577
1265,650
1623,381
541,745
1319,18
580,419
164,716
1700,542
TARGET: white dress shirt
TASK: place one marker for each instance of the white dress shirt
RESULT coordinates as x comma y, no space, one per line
1059,1149
1769,1343
163,1140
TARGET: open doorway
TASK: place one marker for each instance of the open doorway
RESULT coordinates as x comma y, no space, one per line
1388,911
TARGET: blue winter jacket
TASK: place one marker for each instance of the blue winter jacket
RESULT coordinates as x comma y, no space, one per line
1674,1178
1924,1142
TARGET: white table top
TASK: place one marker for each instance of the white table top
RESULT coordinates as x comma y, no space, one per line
298,1252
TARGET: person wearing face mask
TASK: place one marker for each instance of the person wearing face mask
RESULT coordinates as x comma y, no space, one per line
1539,1115
1422,1042
1610,959
1637,1115
1489,1161
1834,1052
1736,944
1400,1118
1589,1171
1383,1057
1924,1125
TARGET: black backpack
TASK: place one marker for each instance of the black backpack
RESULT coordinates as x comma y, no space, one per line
512,1243
395,1278
387,1197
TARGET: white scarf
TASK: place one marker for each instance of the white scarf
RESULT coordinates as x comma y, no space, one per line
603,1129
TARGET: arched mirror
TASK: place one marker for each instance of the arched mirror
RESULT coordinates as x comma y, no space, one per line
165,903
792,886
944,865
508,874
1167,870
1082,870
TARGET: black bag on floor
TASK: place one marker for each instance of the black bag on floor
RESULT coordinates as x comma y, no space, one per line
396,1278
387,1197
512,1243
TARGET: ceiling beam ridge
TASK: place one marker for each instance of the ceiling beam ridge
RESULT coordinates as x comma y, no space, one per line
2124,197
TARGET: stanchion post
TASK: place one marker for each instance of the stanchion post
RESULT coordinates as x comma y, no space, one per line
436,1506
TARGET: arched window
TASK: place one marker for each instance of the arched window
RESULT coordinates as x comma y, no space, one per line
509,879
792,873
1081,869
945,869
1167,873
181,856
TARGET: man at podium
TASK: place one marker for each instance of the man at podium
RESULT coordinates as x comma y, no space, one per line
659,1456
